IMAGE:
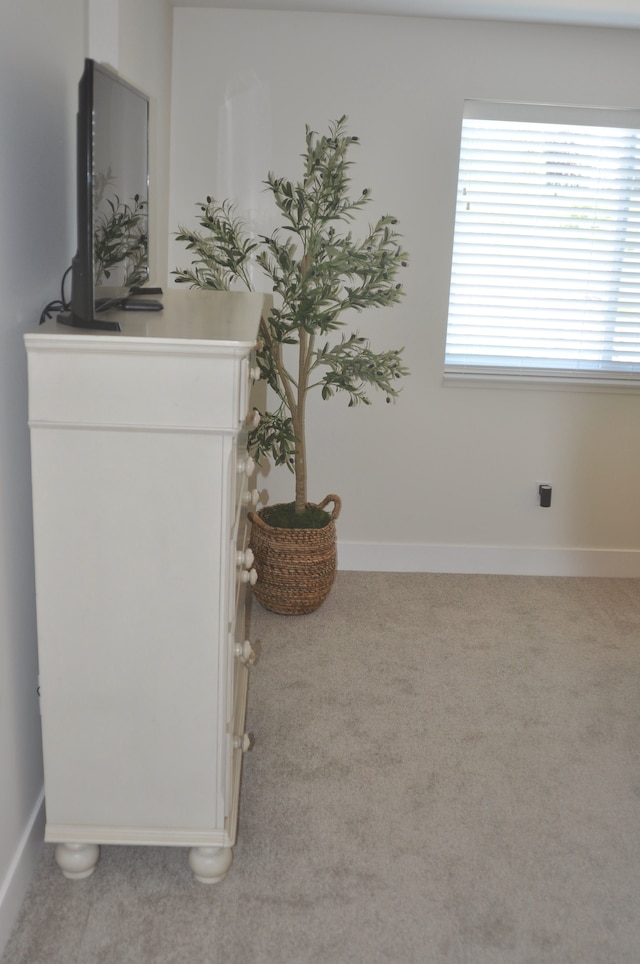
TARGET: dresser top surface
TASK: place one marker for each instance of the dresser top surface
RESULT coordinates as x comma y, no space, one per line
215,318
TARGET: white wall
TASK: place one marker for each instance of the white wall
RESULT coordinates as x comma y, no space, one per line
134,37
446,478
42,49
144,57
39,71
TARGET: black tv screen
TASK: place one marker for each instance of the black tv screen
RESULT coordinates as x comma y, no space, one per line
112,256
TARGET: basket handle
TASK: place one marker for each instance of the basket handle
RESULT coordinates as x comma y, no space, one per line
337,505
255,520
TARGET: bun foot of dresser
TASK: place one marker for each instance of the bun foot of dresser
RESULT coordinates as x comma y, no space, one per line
76,860
210,864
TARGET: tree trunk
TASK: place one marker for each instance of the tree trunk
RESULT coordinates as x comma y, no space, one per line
305,346
301,472
300,460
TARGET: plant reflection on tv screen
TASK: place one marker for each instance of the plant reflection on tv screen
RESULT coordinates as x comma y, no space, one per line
120,236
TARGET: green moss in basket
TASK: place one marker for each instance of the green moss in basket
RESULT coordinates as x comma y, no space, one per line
284,516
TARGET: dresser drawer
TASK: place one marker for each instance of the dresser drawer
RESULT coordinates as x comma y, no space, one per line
242,656
237,743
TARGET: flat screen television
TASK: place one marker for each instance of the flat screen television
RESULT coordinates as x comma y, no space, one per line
112,257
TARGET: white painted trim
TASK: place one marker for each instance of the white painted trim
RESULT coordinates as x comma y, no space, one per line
137,836
20,872
498,560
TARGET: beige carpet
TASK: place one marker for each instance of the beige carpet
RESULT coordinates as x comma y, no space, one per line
446,770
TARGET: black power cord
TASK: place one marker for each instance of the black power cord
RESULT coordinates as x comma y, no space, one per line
54,307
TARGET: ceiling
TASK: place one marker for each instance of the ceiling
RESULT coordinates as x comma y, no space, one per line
600,13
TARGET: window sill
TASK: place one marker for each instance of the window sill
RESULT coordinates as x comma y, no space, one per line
532,382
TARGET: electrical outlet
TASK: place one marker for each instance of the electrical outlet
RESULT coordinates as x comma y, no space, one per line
544,494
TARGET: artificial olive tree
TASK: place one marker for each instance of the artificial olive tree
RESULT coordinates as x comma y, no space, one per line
317,271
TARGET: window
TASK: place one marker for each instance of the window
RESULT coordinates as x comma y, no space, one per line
546,259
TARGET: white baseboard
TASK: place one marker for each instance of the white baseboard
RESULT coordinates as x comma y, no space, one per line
494,560
18,877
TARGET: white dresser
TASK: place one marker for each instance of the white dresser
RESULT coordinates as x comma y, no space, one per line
140,494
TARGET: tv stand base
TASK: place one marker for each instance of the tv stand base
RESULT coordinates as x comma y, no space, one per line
67,318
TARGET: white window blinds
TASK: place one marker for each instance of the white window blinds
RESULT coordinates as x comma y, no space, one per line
546,258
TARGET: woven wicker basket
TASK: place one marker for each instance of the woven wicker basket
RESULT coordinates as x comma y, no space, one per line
296,567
